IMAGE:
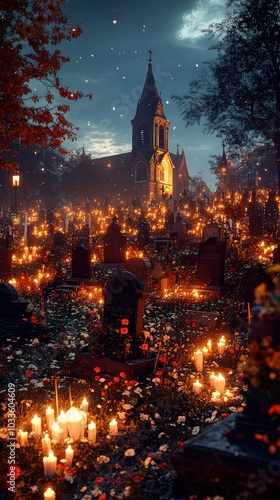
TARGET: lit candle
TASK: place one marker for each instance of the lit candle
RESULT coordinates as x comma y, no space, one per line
50,464
55,432
198,360
92,432
221,347
22,437
84,405
49,494
220,383
36,425
49,417
69,453
62,420
113,425
197,386
46,445
212,379
228,394
209,346
205,351
75,425
215,395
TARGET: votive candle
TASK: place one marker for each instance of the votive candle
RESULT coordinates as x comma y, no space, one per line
50,464
46,445
49,417
22,437
84,405
197,386
49,494
69,453
92,432
36,425
113,425
198,360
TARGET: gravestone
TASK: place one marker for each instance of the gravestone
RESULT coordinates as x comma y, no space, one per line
212,230
140,267
14,316
252,277
115,244
256,225
143,237
162,244
59,239
179,228
81,268
5,261
169,219
211,262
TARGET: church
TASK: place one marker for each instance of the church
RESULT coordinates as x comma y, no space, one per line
149,173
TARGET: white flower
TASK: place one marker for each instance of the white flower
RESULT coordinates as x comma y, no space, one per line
181,419
156,380
102,459
143,416
69,478
195,430
127,406
129,453
163,447
147,461
126,491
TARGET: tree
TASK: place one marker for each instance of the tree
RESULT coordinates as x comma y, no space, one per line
33,104
238,93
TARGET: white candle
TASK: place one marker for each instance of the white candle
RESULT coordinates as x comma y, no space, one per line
22,437
197,386
209,346
92,432
34,251
62,420
220,383
84,405
46,445
228,394
49,494
113,425
49,417
50,464
212,379
198,360
69,453
221,347
215,395
36,425
75,425
55,431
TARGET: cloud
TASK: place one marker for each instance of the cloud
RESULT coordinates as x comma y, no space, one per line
199,18
102,143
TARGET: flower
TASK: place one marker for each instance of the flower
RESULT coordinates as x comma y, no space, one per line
129,453
125,321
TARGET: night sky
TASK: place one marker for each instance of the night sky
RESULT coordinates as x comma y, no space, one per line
110,60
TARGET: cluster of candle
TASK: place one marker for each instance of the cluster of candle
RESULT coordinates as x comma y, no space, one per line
221,345
199,355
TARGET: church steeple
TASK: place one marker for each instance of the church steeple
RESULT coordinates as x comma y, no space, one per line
150,127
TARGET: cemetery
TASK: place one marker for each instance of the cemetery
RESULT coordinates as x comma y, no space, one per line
144,356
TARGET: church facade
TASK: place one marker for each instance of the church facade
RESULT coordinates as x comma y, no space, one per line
149,173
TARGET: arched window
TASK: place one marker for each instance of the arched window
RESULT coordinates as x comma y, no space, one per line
161,137
161,174
142,136
141,172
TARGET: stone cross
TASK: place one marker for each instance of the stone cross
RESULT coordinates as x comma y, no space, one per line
25,226
66,223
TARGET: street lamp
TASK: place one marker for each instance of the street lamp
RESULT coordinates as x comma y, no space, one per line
16,185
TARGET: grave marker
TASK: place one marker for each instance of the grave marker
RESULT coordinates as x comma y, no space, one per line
211,262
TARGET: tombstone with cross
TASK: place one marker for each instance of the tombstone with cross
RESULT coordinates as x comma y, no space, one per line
25,227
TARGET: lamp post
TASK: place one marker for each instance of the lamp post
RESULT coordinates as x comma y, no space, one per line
16,185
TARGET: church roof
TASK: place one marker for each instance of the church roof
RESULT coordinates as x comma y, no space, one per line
150,103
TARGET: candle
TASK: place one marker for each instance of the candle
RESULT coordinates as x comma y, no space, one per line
22,437
49,494
197,386
34,251
84,405
212,379
55,431
113,425
50,464
205,351
215,395
92,432
46,444
209,346
228,394
221,347
62,420
69,453
75,425
49,417
220,383
198,360
36,425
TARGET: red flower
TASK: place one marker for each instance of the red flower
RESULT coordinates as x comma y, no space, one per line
175,364
123,375
123,331
29,373
162,359
96,369
99,479
137,478
96,377
158,373
109,383
125,321
116,379
274,409
145,347
133,382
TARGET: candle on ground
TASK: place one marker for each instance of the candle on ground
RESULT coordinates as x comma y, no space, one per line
49,417
209,346
62,420
49,494
197,386
113,425
205,351
46,445
92,432
69,453
84,405
220,383
215,396
198,360
22,437
75,425
221,347
50,464
212,379
36,425
55,432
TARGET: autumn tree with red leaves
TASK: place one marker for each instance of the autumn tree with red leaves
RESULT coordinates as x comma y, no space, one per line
33,101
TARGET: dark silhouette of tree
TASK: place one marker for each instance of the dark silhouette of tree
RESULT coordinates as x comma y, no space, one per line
237,95
33,100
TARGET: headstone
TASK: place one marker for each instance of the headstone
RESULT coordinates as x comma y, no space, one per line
212,230
256,225
81,268
169,219
158,272
179,228
124,299
211,262
162,245
5,261
59,239
66,223
143,237
115,244
140,267
25,224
